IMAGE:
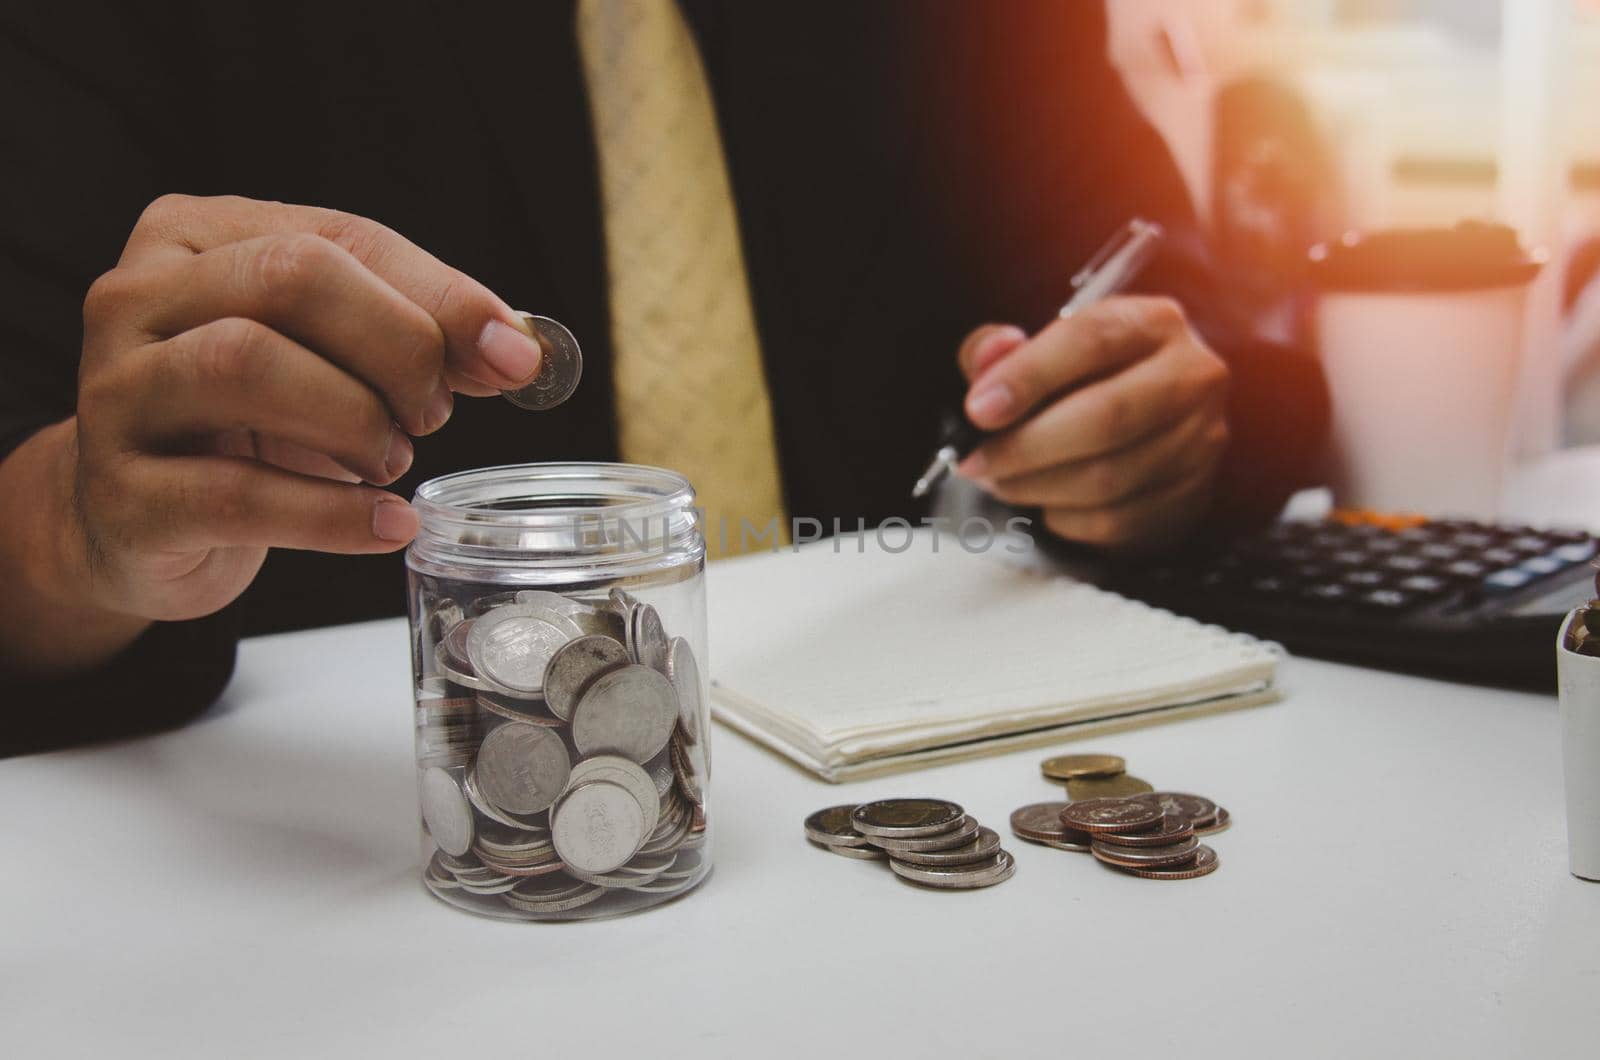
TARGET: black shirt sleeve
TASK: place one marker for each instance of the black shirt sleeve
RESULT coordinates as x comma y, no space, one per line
91,125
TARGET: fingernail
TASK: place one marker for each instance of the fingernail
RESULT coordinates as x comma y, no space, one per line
513,355
991,405
439,408
399,455
393,520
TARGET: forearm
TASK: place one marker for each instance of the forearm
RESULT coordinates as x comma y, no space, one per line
51,626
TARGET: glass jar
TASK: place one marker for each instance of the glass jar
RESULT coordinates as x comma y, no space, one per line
562,715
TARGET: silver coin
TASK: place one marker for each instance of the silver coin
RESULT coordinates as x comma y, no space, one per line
985,846
517,708
958,877
906,818
522,767
684,673
685,767
498,886
660,770
566,894
624,604
469,784
512,645
574,665
615,769
965,832
627,877
628,711
559,369
649,639
445,811
597,827
832,828
858,853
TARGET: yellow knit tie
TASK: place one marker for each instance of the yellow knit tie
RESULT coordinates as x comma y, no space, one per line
690,390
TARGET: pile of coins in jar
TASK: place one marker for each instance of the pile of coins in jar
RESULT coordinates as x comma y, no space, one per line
562,755
1152,834
930,842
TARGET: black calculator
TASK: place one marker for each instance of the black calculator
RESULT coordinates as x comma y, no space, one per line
1468,601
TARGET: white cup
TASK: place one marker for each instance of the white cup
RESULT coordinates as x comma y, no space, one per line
1580,750
1422,369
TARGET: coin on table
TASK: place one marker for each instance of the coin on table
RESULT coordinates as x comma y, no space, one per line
1082,788
628,711
1110,815
445,811
832,827
596,827
1171,829
1205,862
1068,767
1224,819
985,845
995,870
648,638
521,768
512,644
574,665
963,833
684,673
1040,822
1199,810
560,368
858,853
1124,857
906,818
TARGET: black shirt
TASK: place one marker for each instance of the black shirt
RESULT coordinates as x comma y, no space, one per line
903,172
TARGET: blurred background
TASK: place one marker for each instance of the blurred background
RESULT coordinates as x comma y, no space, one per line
1296,121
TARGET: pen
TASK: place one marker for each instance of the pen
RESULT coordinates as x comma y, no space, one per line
1111,269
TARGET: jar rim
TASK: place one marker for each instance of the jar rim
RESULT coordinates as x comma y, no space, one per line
629,490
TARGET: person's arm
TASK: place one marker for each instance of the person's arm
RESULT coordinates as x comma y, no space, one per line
242,376
1146,420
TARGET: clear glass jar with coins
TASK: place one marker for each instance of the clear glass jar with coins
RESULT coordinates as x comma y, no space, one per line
558,640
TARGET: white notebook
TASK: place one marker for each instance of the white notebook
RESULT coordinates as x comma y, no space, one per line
854,661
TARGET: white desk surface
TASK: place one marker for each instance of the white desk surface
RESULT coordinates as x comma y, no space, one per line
1395,884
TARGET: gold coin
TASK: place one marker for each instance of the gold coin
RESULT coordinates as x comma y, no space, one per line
1080,788
1066,767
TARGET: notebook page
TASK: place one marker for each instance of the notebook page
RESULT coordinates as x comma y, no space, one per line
831,645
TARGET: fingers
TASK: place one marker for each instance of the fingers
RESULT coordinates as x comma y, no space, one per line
1105,416
1194,445
481,339
236,373
1068,352
196,503
1157,517
986,345
317,294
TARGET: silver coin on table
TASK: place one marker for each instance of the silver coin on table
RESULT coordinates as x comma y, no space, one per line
560,368
684,673
574,665
831,827
445,811
522,767
597,827
985,846
615,769
958,877
906,818
963,833
512,644
649,638
857,853
628,711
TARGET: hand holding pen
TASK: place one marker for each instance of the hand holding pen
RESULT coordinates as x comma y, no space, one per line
1111,419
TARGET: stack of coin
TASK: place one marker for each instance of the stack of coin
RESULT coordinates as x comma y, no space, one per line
562,754
930,842
1152,834
1093,776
